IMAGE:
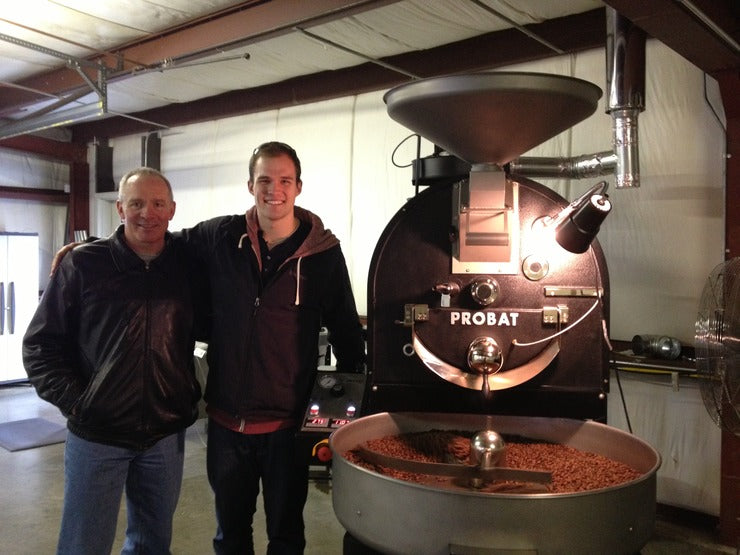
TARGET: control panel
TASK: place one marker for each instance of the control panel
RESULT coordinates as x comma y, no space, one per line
335,400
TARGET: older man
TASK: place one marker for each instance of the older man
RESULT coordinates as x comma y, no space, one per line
111,345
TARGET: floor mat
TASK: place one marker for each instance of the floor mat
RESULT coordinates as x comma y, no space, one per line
29,433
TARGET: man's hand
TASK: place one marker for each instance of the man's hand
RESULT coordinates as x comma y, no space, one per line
60,254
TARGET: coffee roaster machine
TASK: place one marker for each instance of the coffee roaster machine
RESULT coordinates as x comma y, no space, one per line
473,305
488,308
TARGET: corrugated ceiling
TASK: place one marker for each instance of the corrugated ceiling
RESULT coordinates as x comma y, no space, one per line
158,53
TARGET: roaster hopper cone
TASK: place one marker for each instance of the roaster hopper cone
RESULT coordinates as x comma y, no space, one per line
492,117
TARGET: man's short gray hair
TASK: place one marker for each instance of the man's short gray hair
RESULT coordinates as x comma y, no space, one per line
143,171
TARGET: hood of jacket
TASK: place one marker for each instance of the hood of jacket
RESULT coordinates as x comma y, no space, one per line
319,238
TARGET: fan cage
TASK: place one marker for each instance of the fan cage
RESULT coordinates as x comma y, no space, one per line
717,345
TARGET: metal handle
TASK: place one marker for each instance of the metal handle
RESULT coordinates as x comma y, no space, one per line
2,308
11,308
494,382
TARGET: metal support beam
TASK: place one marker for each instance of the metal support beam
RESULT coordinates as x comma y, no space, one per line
242,25
496,49
47,148
54,196
51,115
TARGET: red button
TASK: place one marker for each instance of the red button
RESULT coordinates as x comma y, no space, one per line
323,453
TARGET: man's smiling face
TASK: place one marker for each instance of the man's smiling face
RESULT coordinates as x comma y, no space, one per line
275,187
146,208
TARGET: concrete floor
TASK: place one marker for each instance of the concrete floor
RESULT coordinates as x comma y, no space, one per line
32,491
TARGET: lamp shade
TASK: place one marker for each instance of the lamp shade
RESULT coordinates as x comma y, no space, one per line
577,231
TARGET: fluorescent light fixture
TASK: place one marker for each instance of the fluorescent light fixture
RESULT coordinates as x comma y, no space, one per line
33,123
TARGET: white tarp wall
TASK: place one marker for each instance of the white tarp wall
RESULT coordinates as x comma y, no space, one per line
660,241
25,216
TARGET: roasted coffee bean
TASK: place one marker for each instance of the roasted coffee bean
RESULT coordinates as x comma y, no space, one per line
572,470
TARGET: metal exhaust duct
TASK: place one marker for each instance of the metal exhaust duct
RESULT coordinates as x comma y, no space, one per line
579,167
625,82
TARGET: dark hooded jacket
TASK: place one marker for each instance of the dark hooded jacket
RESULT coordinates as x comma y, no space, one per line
263,346
111,343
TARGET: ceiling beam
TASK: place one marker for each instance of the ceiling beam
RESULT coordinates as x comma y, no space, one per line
246,23
47,148
497,49
53,196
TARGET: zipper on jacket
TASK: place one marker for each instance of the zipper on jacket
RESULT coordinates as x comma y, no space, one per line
145,376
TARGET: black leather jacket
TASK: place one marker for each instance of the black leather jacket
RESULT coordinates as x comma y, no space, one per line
111,343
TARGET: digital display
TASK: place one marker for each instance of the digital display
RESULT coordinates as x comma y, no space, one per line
339,422
317,422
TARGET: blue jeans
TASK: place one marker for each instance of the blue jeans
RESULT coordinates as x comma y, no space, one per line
95,476
236,464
